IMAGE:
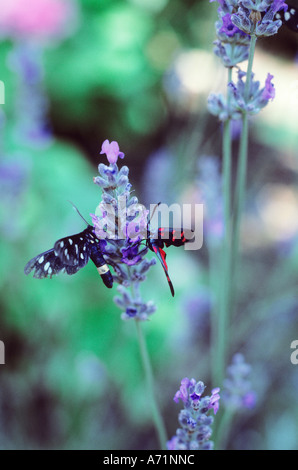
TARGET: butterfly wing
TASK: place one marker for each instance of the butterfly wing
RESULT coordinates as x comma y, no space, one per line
289,18
44,265
69,254
74,251
161,255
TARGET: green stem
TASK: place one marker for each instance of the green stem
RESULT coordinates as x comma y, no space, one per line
159,425
222,432
242,160
227,170
225,272
240,187
215,282
231,242
252,48
227,156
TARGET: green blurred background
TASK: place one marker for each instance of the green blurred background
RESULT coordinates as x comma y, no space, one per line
138,72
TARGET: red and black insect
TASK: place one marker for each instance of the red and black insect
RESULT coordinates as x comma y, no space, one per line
70,254
166,237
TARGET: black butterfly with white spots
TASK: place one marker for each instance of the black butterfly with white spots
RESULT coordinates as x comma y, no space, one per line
289,17
70,254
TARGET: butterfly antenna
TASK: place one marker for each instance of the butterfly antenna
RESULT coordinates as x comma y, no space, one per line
153,212
78,212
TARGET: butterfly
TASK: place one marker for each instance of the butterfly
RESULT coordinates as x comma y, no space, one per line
70,254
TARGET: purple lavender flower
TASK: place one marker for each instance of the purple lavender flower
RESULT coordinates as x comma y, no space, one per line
183,392
194,419
210,191
31,103
232,43
268,92
14,180
117,218
131,312
258,16
228,27
263,5
218,106
112,151
131,255
258,97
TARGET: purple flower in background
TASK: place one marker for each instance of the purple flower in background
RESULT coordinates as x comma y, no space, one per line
252,102
249,400
14,180
31,103
210,194
172,444
237,391
112,151
38,20
269,90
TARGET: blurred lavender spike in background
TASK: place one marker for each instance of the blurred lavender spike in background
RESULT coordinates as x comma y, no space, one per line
237,391
210,194
31,103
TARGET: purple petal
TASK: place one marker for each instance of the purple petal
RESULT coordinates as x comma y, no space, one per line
269,90
105,146
112,151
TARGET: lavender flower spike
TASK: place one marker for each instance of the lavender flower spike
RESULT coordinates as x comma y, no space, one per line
258,16
121,221
232,43
194,419
258,97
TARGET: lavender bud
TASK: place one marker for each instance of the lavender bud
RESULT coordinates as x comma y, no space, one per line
124,171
